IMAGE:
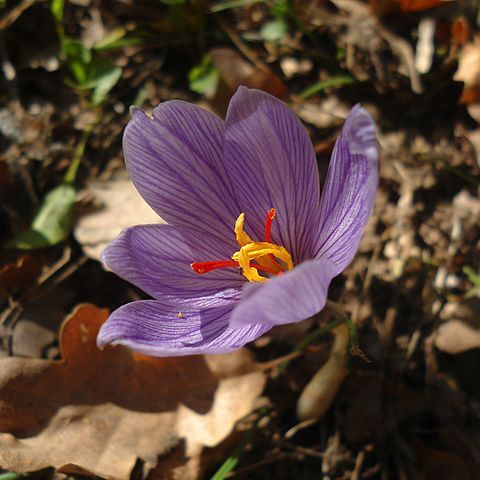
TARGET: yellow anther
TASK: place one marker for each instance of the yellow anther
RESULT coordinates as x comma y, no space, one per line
250,273
260,252
267,257
242,237
265,254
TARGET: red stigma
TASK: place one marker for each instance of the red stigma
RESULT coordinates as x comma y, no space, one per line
268,223
268,229
204,267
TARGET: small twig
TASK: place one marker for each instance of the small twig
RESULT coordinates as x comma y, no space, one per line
400,47
10,316
371,471
12,16
291,432
61,262
309,339
310,452
300,347
405,53
240,44
338,310
276,362
9,319
358,465
413,343
62,276
341,317
331,452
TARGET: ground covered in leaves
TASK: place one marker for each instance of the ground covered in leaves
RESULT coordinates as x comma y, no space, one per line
400,398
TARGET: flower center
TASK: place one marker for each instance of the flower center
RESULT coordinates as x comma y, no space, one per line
253,257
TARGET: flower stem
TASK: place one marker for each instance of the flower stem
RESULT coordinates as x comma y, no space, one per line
341,316
71,173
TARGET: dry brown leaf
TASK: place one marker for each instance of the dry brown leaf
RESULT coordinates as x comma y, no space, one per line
98,411
425,49
5,176
121,207
468,72
14,276
473,136
329,112
291,66
366,33
440,464
456,336
384,7
469,64
235,71
460,30
419,5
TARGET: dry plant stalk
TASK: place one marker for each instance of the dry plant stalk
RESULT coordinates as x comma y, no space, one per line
322,389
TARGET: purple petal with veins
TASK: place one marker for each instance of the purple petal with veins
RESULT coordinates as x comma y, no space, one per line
200,173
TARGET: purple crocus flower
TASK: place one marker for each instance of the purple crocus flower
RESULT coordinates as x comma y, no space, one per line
250,242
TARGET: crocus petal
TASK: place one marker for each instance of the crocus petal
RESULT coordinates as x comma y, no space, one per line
270,159
349,192
175,161
287,298
154,327
157,258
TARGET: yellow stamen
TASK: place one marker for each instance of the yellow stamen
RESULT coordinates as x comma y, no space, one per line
260,252
268,257
251,274
242,237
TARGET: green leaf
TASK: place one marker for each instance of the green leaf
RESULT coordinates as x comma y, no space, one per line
118,43
75,50
115,39
219,7
472,275
274,30
9,475
231,462
57,8
52,223
91,73
203,78
280,8
141,96
323,84
78,58
102,75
